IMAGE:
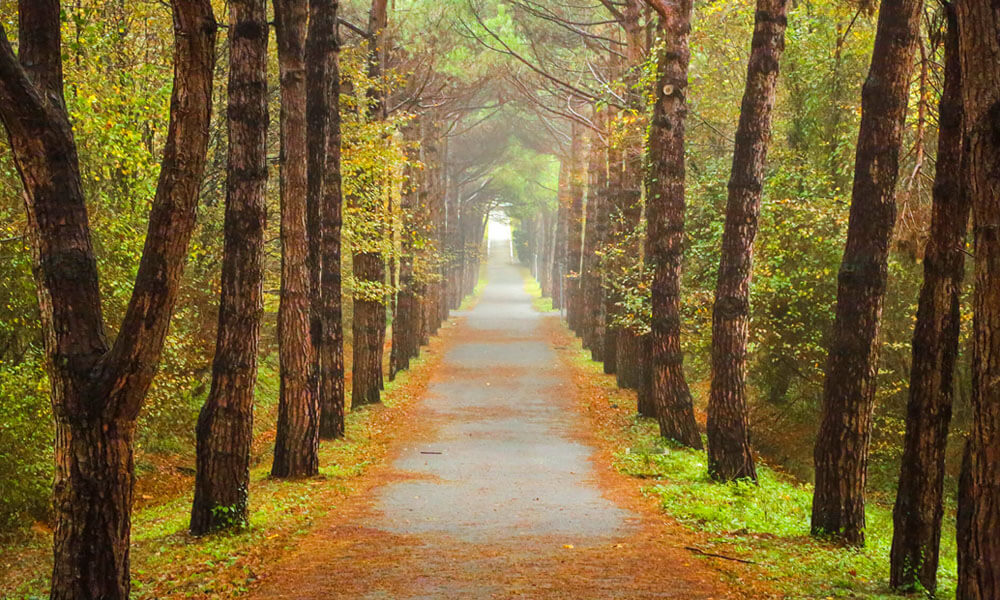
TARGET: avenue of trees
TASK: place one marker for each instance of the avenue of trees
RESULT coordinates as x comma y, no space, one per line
226,224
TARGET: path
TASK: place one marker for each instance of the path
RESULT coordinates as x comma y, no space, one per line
493,494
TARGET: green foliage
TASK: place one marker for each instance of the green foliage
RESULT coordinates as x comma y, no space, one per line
25,443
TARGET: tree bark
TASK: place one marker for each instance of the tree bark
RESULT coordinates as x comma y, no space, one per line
979,499
594,239
729,453
297,442
665,229
225,425
405,330
841,452
559,260
918,510
97,390
331,343
574,230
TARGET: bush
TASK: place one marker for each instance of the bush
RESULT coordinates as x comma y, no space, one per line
25,444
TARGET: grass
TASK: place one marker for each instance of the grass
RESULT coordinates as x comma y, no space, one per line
168,562
766,523
533,287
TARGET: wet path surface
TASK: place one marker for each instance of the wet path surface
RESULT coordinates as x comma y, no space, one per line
502,464
492,492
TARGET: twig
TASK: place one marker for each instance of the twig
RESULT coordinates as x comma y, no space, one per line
714,555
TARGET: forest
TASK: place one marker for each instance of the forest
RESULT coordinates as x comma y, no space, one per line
243,244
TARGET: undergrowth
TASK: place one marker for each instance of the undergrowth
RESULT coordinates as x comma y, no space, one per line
168,562
766,523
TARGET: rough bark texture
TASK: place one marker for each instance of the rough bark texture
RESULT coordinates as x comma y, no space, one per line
665,229
297,441
405,327
979,500
331,343
729,454
225,425
617,202
97,390
841,453
918,509
594,237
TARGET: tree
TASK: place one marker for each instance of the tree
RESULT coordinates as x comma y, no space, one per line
841,452
98,388
369,267
324,214
665,226
916,531
331,345
225,425
729,453
296,446
979,494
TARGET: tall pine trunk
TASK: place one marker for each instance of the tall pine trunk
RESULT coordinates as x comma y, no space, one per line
979,497
841,452
665,228
594,236
916,533
574,230
405,330
97,390
729,454
296,444
331,342
225,425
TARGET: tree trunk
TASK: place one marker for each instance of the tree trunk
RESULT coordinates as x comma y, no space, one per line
594,238
405,331
918,510
225,425
616,207
628,375
729,454
97,390
331,344
559,261
841,453
979,501
297,441
369,268
574,230
665,229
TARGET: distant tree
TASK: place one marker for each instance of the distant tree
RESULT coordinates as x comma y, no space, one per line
369,314
918,510
841,452
979,494
296,446
729,453
225,425
98,388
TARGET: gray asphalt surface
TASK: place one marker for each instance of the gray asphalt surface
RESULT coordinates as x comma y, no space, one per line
503,464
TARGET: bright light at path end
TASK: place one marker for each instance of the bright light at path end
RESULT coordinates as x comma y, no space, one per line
498,236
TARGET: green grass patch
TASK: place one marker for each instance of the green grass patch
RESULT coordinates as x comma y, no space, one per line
531,285
766,523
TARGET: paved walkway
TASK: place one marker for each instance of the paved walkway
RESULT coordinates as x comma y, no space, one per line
494,494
